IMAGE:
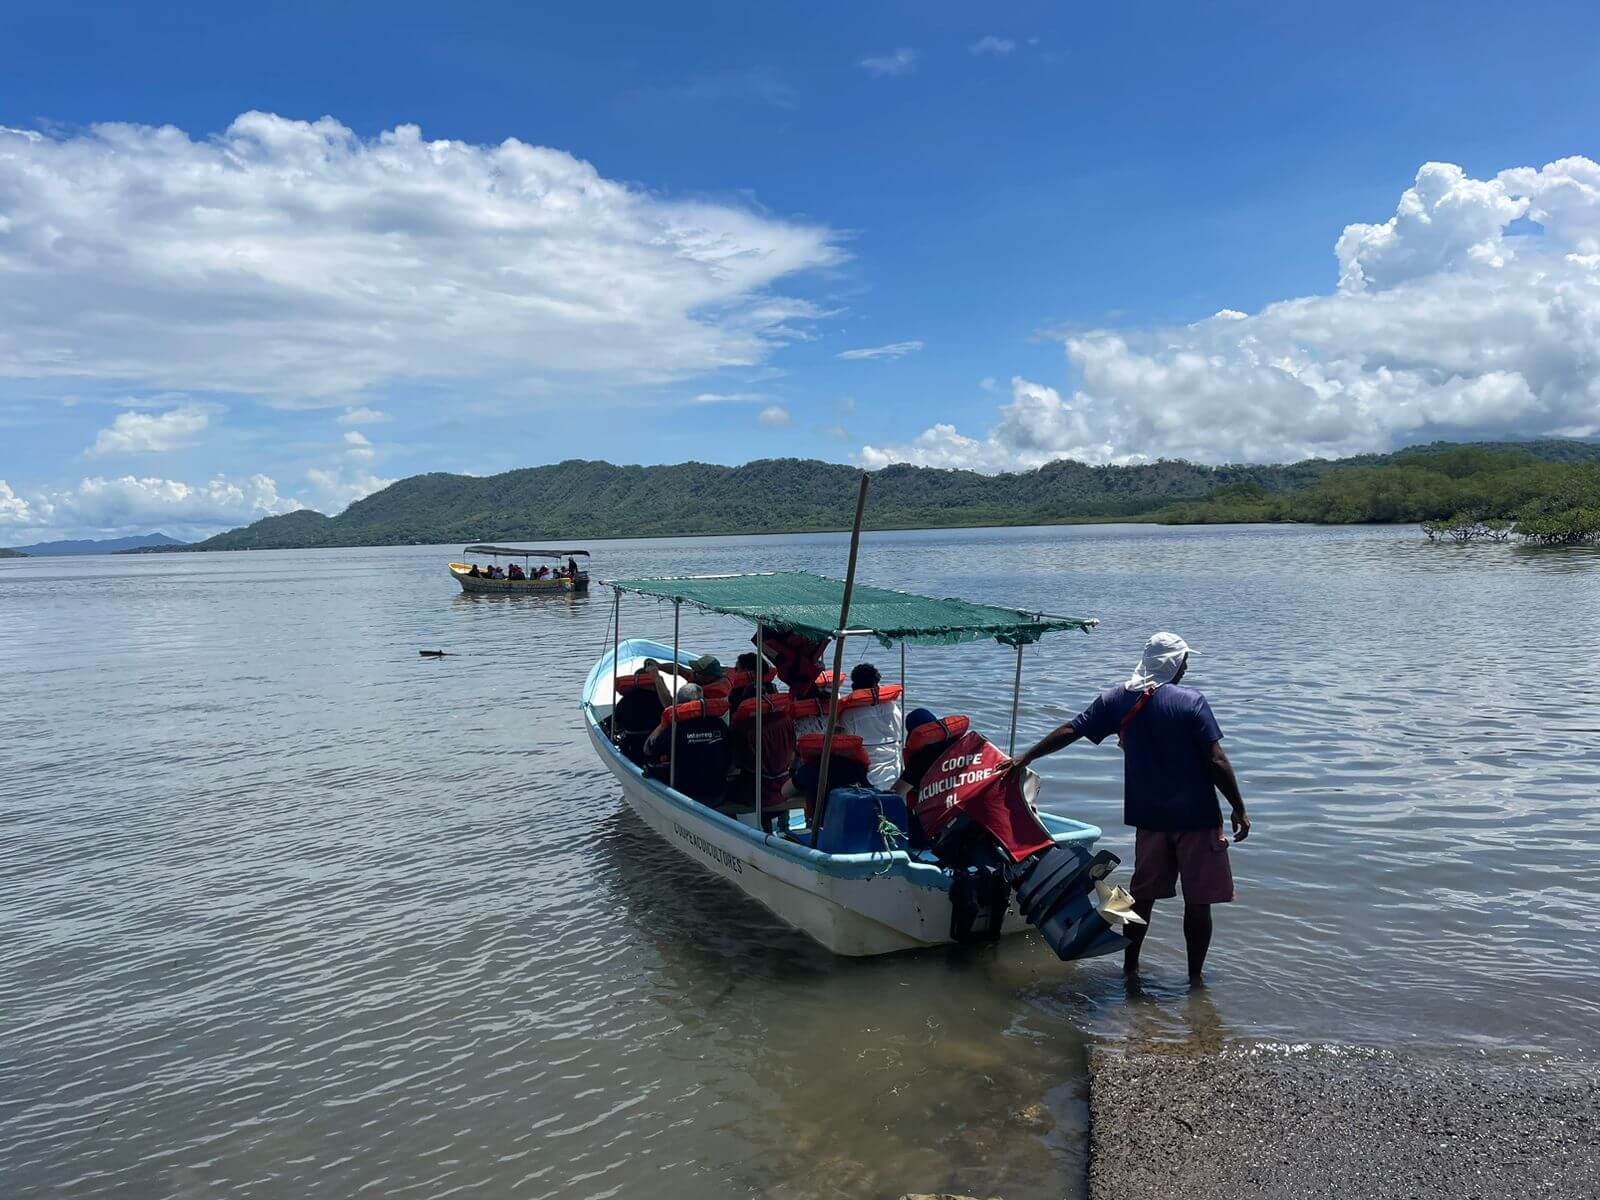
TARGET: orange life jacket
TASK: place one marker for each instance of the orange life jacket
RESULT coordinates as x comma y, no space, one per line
693,710
884,693
740,678
776,705
845,745
943,730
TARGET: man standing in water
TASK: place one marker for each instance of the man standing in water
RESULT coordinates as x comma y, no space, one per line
1173,767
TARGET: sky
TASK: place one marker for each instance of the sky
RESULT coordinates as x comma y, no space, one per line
260,258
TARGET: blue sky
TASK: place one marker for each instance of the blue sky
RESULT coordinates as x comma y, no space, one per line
1026,216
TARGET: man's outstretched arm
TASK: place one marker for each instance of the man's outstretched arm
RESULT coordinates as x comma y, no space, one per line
1057,739
1228,784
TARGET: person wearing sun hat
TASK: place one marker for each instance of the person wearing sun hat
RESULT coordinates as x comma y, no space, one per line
1173,768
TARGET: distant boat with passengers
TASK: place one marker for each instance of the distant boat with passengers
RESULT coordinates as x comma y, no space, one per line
788,794
521,576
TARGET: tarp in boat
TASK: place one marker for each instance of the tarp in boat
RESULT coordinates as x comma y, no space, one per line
517,552
797,602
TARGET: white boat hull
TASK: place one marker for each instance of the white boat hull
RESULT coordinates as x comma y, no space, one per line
853,904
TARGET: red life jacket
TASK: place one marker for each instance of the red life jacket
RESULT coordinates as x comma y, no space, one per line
969,778
693,710
845,745
797,658
776,705
717,689
742,679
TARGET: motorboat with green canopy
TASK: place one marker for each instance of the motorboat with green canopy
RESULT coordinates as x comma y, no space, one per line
566,578
958,851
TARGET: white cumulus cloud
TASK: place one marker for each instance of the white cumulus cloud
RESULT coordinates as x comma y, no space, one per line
1034,428
297,261
728,398
105,507
1473,312
892,350
363,416
990,44
774,416
896,62
151,433
332,491
14,510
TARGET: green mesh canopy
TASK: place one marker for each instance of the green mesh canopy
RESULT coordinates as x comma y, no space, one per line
795,602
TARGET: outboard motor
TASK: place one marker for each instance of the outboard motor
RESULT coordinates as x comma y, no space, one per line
981,825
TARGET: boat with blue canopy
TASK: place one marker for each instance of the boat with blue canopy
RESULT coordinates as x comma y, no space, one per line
868,870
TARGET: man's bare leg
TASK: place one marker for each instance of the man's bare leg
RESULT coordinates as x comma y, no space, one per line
1135,935
1197,937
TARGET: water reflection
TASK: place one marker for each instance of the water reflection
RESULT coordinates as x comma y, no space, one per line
286,909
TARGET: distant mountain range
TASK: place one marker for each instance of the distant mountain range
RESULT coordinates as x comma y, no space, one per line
146,541
581,499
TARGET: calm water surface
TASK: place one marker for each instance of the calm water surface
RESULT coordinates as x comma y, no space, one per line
286,910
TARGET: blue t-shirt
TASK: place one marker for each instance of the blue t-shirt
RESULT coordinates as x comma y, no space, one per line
1166,776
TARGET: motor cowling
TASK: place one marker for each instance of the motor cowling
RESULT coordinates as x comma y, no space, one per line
974,811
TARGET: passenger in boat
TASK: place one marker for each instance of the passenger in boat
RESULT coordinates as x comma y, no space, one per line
700,748
515,572
572,568
637,713
672,680
713,680
748,665
475,573
1173,767
844,770
864,676
776,759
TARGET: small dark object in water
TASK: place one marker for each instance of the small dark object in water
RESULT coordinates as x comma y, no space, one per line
431,653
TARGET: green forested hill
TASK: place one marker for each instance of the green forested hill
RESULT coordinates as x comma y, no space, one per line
581,499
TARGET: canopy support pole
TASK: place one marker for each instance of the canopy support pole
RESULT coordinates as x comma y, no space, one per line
761,702
616,646
1016,696
672,754
838,664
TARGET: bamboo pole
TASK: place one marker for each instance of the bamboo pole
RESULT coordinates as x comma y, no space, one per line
838,664
672,754
761,702
616,642
1016,696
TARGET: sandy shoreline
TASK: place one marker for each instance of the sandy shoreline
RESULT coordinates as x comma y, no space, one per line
1335,1122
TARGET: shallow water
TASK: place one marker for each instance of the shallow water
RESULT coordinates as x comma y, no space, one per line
286,910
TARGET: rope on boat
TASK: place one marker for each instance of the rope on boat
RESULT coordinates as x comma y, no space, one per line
888,834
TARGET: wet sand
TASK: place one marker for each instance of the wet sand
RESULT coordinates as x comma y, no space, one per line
1334,1122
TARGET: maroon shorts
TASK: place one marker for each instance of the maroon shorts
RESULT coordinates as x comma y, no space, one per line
1198,856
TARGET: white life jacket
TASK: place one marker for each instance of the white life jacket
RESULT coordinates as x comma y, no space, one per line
875,715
